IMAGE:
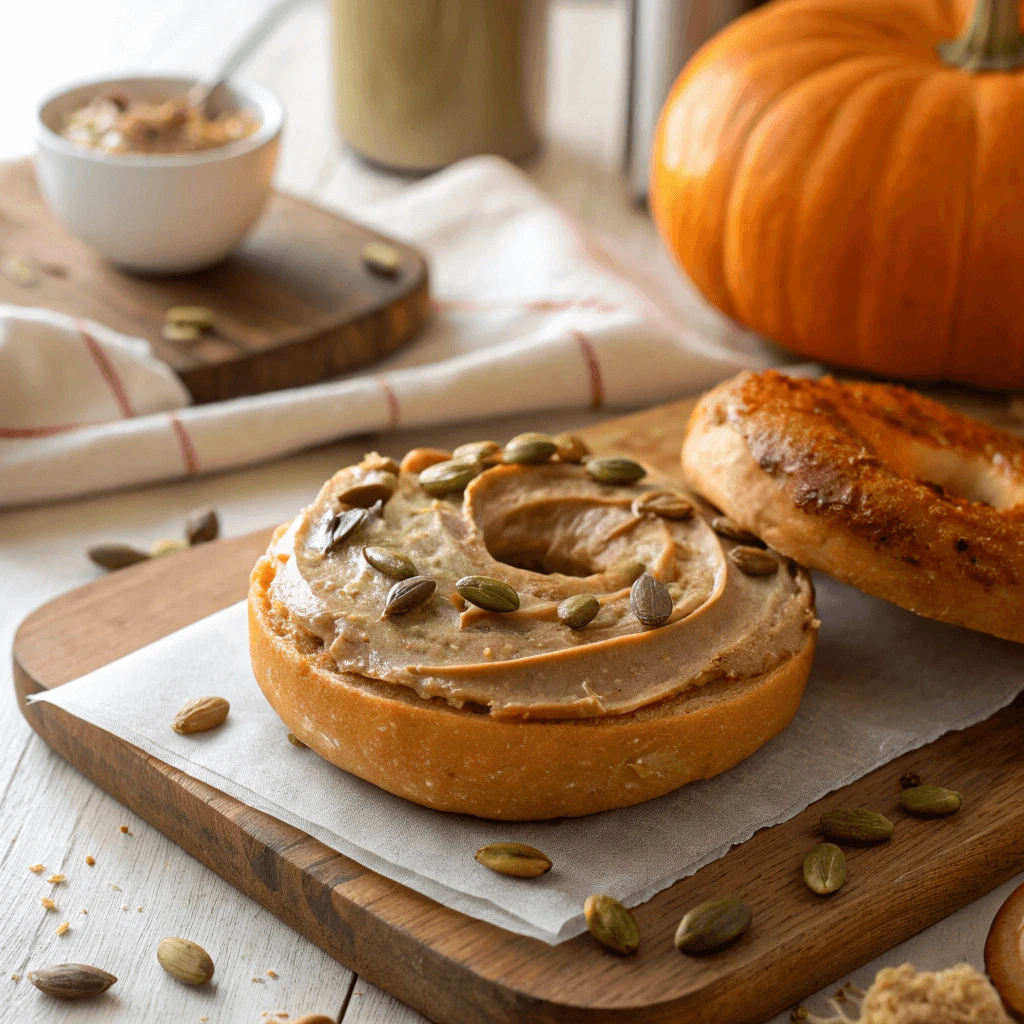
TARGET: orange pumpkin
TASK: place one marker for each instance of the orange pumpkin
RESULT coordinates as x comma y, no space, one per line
834,175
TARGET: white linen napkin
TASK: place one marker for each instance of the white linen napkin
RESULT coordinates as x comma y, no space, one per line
531,314
884,682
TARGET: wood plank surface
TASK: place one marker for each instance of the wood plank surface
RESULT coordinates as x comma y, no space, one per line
293,305
455,969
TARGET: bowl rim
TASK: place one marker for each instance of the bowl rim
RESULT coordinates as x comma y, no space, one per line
271,123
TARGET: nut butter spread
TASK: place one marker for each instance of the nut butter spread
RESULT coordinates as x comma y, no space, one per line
549,531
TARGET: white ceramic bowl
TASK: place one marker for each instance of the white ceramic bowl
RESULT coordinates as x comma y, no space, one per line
158,213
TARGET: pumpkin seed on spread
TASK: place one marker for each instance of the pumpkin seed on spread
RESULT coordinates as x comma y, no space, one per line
726,527
824,868
627,568
569,448
576,611
712,926
488,593
615,470
408,594
611,924
343,525
116,556
513,859
391,563
71,981
754,561
529,448
478,451
666,504
374,485
856,825
449,477
930,801
650,600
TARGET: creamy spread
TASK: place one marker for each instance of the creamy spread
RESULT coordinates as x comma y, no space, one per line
550,532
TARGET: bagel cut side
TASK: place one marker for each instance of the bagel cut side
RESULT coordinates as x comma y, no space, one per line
875,485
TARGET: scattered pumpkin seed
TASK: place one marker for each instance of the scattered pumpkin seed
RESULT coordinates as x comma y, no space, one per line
666,504
408,594
576,611
754,561
726,527
713,925
488,593
529,449
181,334
391,563
513,859
197,316
166,546
909,780
448,477
930,801
382,258
570,448
201,715
856,825
369,487
611,924
615,470
295,741
478,451
185,960
71,981
824,868
650,600
343,525
202,526
114,556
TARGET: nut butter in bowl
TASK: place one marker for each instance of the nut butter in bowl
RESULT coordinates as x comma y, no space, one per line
156,186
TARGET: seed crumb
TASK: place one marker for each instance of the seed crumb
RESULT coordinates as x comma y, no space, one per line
259,981
90,860
139,909
124,829
271,973
201,1019
36,868
57,879
63,927
15,977
282,1014
116,888
48,903
84,911
124,906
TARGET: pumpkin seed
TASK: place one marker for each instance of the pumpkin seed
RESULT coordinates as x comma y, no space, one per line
666,504
181,334
369,487
824,868
295,741
201,526
930,801
529,449
627,568
478,451
448,477
71,981
615,470
611,924
513,859
650,600
488,593
382,258
569,448
408,594
578,610
712,926
187,961
726,527
116,556
856,825
754,561
166,546
909,780
196,316
343,525
391,563
201,715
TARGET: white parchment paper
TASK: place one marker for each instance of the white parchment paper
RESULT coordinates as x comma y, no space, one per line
884,682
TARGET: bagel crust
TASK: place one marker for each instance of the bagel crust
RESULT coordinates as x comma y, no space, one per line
512,715
873,484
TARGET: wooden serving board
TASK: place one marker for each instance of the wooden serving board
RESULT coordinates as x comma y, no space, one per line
293,305
458,970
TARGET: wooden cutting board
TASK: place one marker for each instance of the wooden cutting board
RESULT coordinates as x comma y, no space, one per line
293,305
458,970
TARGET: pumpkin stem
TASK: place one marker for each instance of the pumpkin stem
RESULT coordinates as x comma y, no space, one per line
992,40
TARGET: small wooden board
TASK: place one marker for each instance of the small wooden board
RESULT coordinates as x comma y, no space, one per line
293,305
458,970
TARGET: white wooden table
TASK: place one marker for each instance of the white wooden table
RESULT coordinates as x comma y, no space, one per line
49,813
